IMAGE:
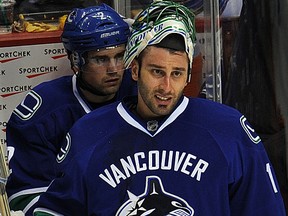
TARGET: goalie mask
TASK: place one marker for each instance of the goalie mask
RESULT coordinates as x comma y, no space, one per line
160,19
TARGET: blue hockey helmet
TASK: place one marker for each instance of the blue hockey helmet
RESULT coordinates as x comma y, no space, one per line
93,28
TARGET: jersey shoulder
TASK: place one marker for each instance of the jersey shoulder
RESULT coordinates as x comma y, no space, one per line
104,116
44,99
88,132
221,121
54,88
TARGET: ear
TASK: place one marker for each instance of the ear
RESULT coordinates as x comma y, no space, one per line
134,70
75,70
77,61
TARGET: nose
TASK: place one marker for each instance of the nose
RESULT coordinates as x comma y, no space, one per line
114,65
166,83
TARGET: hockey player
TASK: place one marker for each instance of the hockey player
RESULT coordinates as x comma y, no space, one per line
95,40
161,153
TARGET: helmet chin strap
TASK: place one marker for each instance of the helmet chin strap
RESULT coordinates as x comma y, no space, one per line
78,71
86,86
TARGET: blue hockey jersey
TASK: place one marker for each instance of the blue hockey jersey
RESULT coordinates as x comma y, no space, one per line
203,159
35,131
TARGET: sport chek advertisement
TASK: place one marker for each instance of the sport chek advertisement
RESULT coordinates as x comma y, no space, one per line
22,68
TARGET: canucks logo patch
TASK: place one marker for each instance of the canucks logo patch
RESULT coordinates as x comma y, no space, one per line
29,106
249,130
155,201
64,149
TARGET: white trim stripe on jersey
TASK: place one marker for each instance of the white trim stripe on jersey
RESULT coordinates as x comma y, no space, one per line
47,211
77,95
28,191
130,120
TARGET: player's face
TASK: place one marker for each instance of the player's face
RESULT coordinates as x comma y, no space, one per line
161,81
104,69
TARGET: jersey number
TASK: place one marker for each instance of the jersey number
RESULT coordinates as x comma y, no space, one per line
269,171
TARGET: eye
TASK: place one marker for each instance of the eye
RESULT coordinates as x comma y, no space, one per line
119,57
157,72
177,73
100,60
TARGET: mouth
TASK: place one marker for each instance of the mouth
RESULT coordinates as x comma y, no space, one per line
112,81
163,100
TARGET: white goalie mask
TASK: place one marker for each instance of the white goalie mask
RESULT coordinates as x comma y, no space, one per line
153,24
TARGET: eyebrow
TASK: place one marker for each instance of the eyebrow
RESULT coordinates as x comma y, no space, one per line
161,67
106,56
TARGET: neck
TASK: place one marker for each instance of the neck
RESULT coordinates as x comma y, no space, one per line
94,98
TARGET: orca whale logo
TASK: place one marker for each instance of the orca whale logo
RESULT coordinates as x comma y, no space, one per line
155,201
